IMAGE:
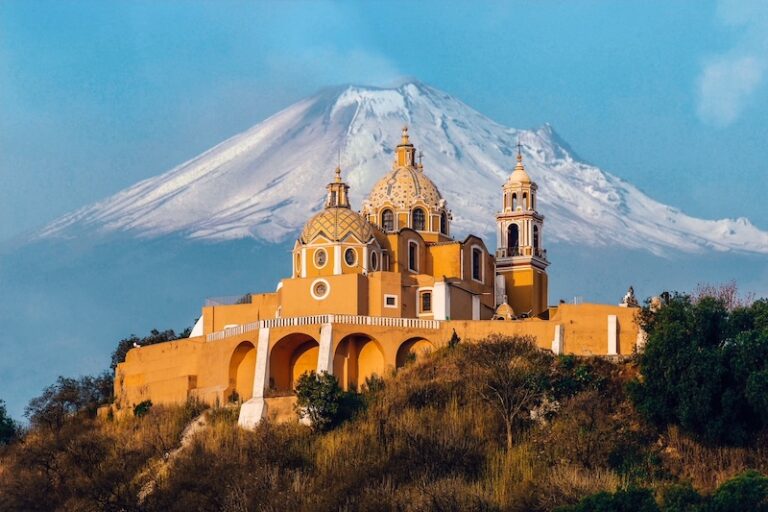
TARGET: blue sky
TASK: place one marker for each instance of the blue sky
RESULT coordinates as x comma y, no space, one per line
97,95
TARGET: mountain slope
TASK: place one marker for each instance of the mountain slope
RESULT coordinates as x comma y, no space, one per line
266,181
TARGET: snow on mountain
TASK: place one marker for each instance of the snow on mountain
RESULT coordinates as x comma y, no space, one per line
267,181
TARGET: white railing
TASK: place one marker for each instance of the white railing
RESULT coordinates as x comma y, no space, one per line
297,321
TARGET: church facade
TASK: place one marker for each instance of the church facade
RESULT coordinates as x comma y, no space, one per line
371,290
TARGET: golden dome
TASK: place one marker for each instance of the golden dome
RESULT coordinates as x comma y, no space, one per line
504,312
335,224
519,175
403,187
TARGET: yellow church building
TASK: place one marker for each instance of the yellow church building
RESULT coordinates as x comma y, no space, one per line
369,291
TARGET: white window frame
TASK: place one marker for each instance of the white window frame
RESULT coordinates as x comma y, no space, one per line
327,289
390,296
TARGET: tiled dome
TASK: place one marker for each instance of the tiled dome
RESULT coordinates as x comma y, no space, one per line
403,187
336,224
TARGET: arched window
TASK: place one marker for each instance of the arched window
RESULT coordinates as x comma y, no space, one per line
525,200
477,264
444,223
513,236
536,237
533,203
418,219
514,201
388,220
374,261
413,253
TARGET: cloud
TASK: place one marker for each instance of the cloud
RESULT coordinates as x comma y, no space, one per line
728,82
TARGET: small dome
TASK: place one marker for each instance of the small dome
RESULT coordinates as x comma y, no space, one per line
336,224
403,187
519,175
504,312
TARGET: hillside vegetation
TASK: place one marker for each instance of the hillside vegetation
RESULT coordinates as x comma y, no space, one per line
495,424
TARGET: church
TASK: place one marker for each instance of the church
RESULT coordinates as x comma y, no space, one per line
371,290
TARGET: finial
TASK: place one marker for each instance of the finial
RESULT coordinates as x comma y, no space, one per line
421,157
338,174
519,151
405,135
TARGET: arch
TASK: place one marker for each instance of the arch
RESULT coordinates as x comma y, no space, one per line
533,202
525,201
535,237
444,223
418,219
413,348
290,357
513,236
357,357
242,367
388,220
514,201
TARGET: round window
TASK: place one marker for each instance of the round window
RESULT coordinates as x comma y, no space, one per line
374,261
320,258
320,289
350,256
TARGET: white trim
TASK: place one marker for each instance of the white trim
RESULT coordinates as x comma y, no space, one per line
390,296
303,262
337,260
374,258
327,289
365,259
314,257
475,307
441,301
482,263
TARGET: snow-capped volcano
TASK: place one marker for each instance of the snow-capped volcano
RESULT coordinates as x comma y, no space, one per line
267,181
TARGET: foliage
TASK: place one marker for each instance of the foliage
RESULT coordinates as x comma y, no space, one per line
628,500
69,397
705,368
454,341
142,408
8,428
321,400
154,337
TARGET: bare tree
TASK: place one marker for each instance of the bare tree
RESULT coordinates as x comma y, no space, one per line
511,375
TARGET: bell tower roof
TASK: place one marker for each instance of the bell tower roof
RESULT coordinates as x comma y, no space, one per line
405,152
519,175
337,192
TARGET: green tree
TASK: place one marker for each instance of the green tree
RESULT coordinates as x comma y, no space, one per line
748,491
625,500
69,397
321,400
705,368
8,428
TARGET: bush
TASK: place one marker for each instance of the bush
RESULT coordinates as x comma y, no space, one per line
629,500
69,397
321,400
748,491
142,408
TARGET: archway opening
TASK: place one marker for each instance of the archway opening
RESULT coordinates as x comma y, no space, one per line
513,236
291,357
412,350
242,366
419,219
358,357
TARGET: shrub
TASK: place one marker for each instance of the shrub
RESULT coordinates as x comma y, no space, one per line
8,427
628,500
748,491
142,408
321,400
68,397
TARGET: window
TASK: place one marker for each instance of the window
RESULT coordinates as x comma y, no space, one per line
298,265
535,237
426,302
334,201
374,261
513,236
413,253
350,256
477,264
533,196
525,200
390,301
321,258
388,220
444,223
514,201
320,289
418,219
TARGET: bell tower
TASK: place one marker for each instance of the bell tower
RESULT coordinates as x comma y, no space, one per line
521,261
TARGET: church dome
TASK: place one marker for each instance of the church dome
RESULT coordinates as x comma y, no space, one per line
335,224
519,175
403,187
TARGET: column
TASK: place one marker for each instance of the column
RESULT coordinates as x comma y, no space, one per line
303,262
325,354
558,346
337,259
255,409
441,301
